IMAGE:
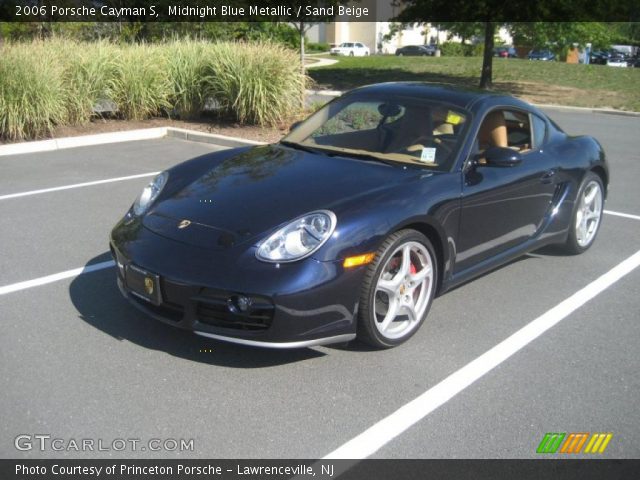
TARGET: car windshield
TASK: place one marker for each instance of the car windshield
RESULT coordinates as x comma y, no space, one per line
406,130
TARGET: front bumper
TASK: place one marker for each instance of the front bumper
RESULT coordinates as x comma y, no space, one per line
292,305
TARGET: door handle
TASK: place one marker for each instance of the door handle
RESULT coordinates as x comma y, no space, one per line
547,177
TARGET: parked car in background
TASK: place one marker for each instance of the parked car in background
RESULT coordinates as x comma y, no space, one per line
505,52
618,59
417,50
351,49
543,54
599,57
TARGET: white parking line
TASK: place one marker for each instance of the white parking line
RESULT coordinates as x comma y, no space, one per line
14,287
76,185
375,437
619,214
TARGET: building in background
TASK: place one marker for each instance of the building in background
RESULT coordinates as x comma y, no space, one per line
374,34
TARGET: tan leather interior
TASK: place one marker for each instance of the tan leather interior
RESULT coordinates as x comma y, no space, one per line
444,129
493,132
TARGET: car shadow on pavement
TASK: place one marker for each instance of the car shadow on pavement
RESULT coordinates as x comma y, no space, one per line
99,302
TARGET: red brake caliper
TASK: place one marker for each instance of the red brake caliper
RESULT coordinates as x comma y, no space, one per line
412,269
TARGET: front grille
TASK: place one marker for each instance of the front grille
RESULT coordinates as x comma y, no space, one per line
213,309
166,310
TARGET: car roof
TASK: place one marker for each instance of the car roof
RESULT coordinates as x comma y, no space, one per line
441,92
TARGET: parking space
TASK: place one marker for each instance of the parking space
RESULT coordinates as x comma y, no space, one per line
80,362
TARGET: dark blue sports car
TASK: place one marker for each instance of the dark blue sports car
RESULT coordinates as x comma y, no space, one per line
349,227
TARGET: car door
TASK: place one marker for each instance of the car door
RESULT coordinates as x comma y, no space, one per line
503,207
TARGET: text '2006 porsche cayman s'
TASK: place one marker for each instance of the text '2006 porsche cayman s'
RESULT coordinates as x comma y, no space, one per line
355,221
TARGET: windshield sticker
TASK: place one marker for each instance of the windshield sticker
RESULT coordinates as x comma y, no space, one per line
453,118
428,155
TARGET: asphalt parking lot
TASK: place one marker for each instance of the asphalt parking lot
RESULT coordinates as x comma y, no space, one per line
77,361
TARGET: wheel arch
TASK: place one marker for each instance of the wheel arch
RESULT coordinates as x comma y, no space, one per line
438,241
600,171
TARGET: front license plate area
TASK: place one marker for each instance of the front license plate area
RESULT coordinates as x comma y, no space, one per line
143,284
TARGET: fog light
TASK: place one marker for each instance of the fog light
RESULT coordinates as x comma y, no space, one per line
238,304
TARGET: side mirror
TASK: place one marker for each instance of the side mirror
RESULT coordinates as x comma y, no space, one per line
502,157
294,125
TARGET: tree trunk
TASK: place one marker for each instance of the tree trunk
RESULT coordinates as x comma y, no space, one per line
486,79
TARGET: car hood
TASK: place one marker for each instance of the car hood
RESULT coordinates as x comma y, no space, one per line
248,195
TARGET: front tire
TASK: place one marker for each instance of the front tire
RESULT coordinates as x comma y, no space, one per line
398,290
587,215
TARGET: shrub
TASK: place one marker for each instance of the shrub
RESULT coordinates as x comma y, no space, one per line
88,75
188,70
456,49
142,87
32,93
60,81
256,83
317,47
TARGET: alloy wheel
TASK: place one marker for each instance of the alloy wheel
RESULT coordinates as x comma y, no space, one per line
403,290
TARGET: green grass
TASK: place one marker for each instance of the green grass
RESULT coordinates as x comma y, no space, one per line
541,82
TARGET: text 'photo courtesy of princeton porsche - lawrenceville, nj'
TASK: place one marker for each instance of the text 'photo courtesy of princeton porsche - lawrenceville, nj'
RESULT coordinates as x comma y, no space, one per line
325,239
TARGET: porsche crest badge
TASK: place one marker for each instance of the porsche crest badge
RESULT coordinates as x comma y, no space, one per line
148,285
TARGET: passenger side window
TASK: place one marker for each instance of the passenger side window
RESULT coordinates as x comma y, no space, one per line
518,130
539,131
505,128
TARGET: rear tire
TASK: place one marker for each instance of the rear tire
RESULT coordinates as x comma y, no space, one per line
587,215
397,290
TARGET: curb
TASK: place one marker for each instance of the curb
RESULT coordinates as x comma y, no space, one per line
82,141
124,136
328,93
607,111
322,62
202,137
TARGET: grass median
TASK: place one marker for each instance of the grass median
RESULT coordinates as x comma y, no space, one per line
539,82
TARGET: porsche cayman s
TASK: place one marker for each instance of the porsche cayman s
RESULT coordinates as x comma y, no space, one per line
350,226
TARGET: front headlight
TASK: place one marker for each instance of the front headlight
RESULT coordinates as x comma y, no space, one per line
150,193
299,239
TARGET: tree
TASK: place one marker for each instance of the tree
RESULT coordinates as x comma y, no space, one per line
559,35
493,13
312,12
483,12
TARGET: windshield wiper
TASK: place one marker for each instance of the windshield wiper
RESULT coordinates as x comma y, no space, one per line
338,153
299,146
362,156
